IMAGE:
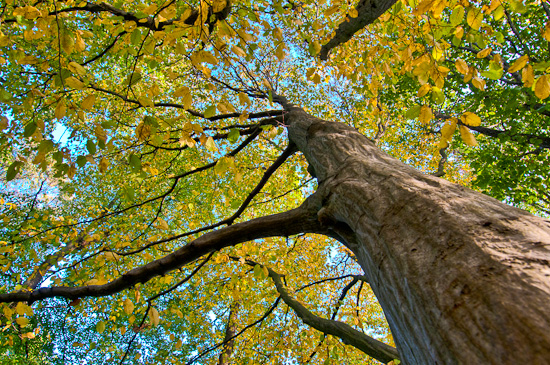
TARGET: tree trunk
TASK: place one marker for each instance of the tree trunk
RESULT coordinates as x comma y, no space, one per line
462,277
229,338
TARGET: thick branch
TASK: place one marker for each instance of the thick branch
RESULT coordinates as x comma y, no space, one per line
299,220
374,348
368,11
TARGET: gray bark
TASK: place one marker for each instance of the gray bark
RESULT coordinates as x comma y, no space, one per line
462,277
229,338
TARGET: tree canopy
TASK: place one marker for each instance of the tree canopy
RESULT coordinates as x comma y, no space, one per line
151,200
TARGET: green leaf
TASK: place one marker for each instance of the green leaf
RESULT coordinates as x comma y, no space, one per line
4,95
457,16
13,170
135,78
210,111
108,124
29,129
413,112
91,147
100,327
81,161
233,135
128,193
135,163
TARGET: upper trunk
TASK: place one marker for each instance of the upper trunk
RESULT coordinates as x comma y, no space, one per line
462,278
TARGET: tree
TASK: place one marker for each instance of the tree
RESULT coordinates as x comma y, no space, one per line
145,145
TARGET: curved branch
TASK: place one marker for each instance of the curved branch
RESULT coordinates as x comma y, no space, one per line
299,220
374,348
368,11
349,335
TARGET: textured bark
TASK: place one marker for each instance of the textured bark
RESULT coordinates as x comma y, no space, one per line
229,338
462,278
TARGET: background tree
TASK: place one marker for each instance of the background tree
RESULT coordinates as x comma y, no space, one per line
140,139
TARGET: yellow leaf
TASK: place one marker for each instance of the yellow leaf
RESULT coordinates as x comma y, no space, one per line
179,343
467,136
244,99
461,66
22,309
437,53
353,13
474,18
459,32
67,43
542,87
208,57
218,5
88,102
100,133
74,83
546,32
150,10
333,9
76,68
280,52
28,60
103,164
518,64
278,33
470,119
316,47
143,131
448,129
238,51
80,45
60,110
8,312
146,101
424,89
479,83
425,114
171,11
316,78
29,12
162,224
423,7
22,321
128,306
528,76
484,52
154,314
211,145
111,256
100,327
185,93
29,335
